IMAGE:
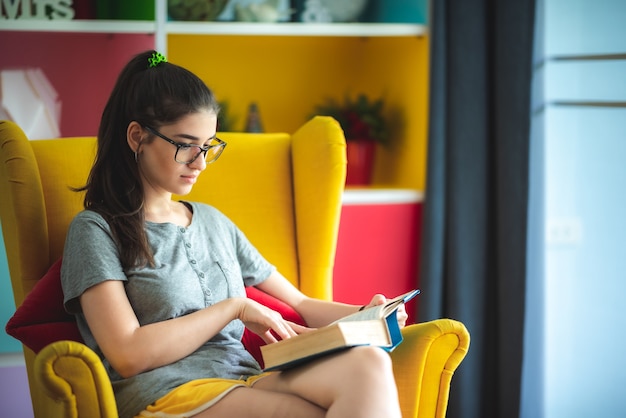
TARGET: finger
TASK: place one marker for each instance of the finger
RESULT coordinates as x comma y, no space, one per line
377,299
268,337
300,329
283,329
291,328
278,325
402,316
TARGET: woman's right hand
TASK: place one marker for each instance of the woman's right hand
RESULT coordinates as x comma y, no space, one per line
267,323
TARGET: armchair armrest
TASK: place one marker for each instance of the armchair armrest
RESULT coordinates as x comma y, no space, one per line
76,384
75,381
424,364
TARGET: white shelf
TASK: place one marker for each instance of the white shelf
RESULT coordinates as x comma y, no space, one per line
216,28
372,196
79,26
295,29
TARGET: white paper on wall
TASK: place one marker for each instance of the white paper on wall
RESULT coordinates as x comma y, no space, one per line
29,99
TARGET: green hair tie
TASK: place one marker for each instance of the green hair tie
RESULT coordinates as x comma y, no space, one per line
155,59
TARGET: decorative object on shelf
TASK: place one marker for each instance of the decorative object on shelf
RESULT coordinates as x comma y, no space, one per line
361,118
361,156
40,10
225,120
253,120
125,10
364,127
409,11
315,12
28,98
269,11
261,11
195,10
344,10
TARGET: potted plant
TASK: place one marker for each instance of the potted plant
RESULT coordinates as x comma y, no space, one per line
364,127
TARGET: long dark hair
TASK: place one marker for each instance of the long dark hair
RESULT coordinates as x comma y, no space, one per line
152,96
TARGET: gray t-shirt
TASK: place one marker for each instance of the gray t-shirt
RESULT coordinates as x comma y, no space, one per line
195,267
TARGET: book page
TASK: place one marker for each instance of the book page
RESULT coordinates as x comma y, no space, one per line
380,311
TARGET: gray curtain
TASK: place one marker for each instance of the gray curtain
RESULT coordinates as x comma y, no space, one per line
473,253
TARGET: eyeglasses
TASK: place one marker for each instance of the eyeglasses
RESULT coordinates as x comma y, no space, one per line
188,153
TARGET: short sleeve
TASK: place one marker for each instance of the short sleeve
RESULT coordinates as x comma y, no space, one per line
90,257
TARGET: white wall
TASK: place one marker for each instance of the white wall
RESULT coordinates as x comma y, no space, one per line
584,200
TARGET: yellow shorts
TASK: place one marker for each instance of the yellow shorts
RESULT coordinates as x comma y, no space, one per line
194,397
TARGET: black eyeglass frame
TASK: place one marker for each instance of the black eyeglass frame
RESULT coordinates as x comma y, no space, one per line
203,150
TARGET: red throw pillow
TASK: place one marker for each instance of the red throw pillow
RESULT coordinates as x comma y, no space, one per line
253,342
41,319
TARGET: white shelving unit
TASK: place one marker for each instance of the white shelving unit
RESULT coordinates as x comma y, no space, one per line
161,27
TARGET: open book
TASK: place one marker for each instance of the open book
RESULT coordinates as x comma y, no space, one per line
376,326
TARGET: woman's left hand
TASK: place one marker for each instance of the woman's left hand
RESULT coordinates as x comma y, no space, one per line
401,315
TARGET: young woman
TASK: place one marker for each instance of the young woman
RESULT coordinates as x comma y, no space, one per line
158,286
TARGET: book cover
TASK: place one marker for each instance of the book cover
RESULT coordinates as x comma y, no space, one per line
376,326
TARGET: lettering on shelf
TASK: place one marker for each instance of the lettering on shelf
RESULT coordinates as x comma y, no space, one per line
36,9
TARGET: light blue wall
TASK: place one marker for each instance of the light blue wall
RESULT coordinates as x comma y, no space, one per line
7,306
584,152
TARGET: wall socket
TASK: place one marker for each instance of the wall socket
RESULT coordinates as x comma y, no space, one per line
564,231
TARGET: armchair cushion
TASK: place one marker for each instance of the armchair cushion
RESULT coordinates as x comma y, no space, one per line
41,319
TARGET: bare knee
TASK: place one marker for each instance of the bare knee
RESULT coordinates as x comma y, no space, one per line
368,388
356,382
368,368
375,358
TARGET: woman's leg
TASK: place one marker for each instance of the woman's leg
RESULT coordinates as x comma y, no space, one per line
358,382
246,402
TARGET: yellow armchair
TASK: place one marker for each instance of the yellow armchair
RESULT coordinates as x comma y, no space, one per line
284,191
